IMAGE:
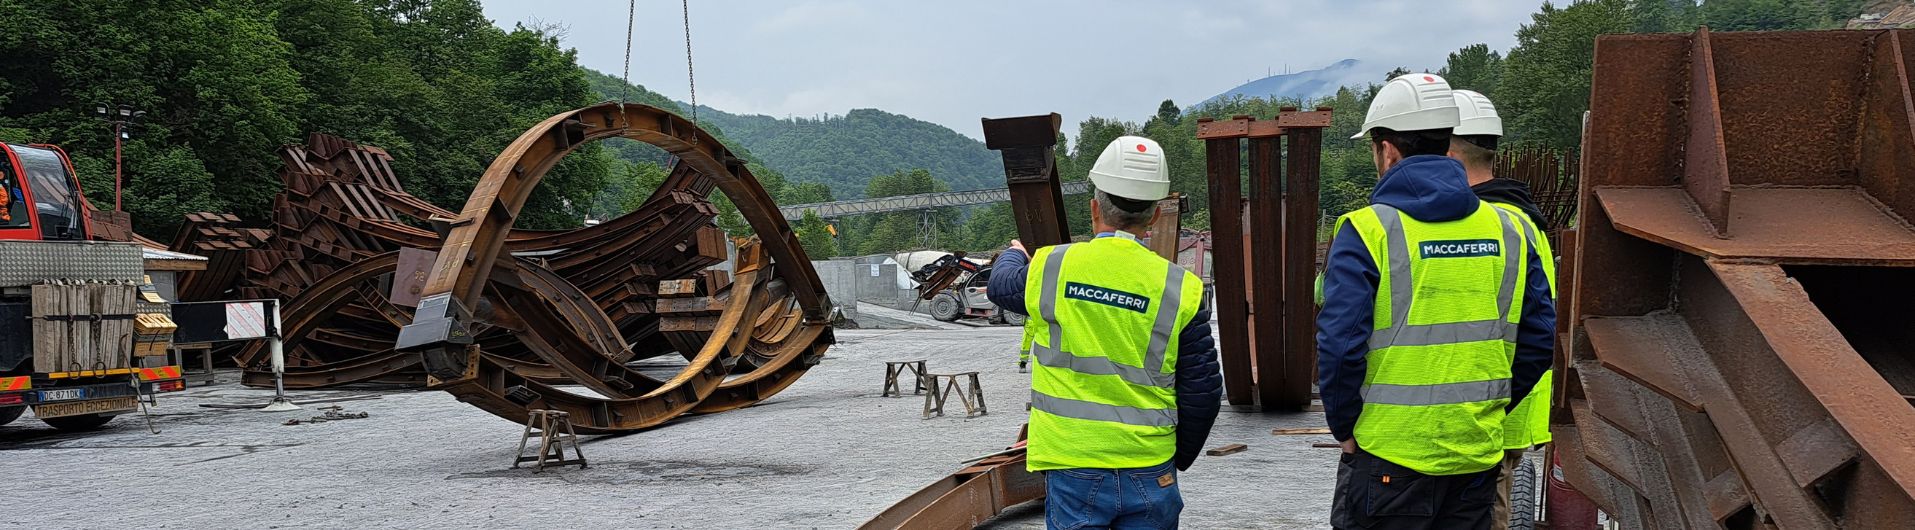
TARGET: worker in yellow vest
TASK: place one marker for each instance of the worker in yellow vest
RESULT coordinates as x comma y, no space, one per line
1024,351
1474,144
1125,387
1436,319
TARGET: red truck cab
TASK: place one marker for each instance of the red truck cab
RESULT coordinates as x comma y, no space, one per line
42,199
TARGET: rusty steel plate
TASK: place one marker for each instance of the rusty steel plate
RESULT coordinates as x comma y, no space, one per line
1208,129
1790,225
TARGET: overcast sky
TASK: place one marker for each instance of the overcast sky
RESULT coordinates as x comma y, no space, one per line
952,62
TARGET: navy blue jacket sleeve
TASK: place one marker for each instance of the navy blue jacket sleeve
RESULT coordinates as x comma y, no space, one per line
1350,282
1199,387
1535,335
1006,288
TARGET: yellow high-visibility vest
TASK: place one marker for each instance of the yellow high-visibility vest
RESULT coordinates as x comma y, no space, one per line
1105,317
1528,424
1448,301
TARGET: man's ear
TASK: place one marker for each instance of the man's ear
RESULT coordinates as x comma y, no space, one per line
1390,155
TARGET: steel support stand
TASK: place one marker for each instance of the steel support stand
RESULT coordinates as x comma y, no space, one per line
279,403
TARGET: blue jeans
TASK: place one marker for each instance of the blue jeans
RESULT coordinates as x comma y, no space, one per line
1112,498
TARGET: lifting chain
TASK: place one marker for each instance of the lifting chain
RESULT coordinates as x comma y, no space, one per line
691,79
631,14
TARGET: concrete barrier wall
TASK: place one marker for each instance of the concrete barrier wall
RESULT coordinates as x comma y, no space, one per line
878,283
840,277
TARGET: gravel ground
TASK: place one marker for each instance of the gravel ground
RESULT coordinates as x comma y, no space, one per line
826,453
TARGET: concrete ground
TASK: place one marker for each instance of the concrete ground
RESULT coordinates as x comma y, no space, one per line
826,453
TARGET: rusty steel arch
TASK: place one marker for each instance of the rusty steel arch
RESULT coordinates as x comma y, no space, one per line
764,327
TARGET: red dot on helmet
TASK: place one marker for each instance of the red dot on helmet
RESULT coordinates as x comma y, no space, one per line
1428,79
1141,148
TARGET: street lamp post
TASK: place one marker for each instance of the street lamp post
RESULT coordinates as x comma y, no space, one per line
119,116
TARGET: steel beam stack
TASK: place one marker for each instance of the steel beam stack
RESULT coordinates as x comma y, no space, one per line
520,315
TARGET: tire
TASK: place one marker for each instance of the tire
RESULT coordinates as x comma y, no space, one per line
1015,319
1522,496
83,422
8,414
946,307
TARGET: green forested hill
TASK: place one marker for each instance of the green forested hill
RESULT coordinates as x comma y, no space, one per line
842,152
845,152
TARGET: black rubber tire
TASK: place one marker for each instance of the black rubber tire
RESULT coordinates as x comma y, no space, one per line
1015,319
946,307
8,414
1522,496
83,422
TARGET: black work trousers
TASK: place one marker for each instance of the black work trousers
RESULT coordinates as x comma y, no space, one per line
1375,494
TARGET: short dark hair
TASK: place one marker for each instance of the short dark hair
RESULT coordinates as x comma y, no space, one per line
1412,143
1473,153
1485,141
1120,212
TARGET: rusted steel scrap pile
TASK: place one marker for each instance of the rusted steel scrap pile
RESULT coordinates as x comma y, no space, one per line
512,319
1739,347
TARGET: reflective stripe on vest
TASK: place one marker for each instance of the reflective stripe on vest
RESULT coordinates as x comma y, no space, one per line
1085,410
1441,394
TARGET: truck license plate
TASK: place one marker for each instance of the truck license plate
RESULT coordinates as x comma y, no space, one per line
62,394
55,410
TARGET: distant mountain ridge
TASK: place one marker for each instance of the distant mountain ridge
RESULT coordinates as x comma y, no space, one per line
1307,84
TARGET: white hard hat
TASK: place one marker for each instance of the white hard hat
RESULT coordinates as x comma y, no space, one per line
1479,115
1412,102
1132,167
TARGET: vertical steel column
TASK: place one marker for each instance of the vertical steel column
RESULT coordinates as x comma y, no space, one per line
1030,171
1223,167
1268,269
1303,160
